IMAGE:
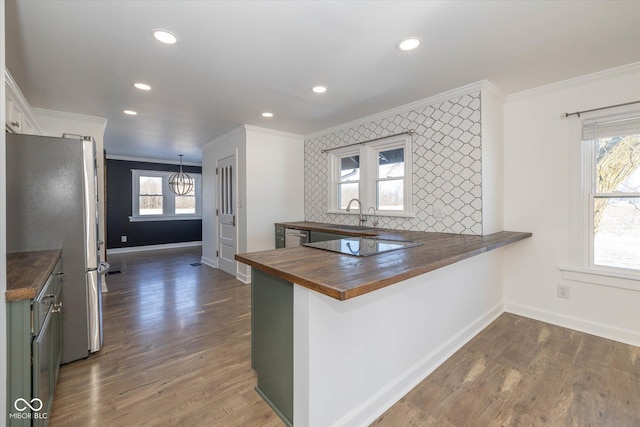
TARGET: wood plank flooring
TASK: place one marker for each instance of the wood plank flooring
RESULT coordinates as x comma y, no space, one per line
521,372
177,353
176,350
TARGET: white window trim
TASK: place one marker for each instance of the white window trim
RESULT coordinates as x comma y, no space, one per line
168,201
581,267
334,177
368,176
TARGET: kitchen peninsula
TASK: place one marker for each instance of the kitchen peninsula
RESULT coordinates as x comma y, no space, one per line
320,332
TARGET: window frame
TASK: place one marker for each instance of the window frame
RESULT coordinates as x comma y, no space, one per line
367,193
168,198
334,175
590,194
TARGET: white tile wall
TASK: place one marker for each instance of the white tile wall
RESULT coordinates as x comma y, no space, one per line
446,166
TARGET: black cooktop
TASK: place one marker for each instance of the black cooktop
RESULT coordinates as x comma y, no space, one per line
362,246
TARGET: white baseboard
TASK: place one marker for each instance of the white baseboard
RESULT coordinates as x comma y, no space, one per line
626,336
210,262
244,277
370,410
152,247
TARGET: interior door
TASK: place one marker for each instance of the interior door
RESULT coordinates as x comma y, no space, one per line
226,211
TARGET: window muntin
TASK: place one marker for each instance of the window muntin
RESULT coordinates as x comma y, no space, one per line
614,193
378,174
152,200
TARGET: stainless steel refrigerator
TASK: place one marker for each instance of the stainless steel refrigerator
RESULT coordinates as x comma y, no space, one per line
52,202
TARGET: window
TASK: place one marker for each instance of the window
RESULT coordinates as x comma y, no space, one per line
378,174
150,195
611,152
348,179
153,201
390,172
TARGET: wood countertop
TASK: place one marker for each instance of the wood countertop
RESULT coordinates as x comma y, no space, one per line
27,272
343,276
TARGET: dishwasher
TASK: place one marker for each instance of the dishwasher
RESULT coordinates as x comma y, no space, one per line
294,238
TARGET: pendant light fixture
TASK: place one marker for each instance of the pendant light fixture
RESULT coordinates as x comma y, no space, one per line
180,183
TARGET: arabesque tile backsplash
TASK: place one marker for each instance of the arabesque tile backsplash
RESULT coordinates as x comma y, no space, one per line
447,166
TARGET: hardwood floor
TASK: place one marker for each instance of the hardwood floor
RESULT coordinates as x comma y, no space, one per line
177,353
521,372
176,350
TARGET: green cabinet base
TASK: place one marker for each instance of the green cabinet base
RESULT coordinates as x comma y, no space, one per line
272,341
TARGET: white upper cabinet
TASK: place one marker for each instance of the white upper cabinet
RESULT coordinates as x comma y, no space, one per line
19,116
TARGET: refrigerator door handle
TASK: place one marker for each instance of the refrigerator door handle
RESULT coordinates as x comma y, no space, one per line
94,296
103,268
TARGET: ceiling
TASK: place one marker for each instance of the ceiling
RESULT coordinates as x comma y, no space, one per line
237,59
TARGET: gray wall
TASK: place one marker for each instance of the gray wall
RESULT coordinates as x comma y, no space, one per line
147,232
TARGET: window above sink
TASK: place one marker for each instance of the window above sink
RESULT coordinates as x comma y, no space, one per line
379,174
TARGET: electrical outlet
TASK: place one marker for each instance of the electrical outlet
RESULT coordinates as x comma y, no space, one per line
123,239
563,291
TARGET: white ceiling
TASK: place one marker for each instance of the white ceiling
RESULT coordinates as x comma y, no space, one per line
236,59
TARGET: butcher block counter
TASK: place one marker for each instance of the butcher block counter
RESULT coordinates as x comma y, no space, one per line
27,272
345,276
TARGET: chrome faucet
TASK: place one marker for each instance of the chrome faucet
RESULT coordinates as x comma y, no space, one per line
375,218
362,218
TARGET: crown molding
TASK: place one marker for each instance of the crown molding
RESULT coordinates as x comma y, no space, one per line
587,78
148,160
72,116
436,99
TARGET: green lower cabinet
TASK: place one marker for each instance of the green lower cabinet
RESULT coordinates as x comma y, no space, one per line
19,340
272,341
33,354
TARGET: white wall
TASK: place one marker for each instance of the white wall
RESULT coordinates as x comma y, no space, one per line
270,188
541,195
230,144
56,123
354,359
275,183
492,113
3,237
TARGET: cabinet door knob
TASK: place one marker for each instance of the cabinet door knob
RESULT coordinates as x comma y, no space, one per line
15,124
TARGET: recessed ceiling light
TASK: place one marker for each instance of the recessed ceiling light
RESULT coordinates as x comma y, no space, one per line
130,112
142,86
409,43
319,89
164,36
267,114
